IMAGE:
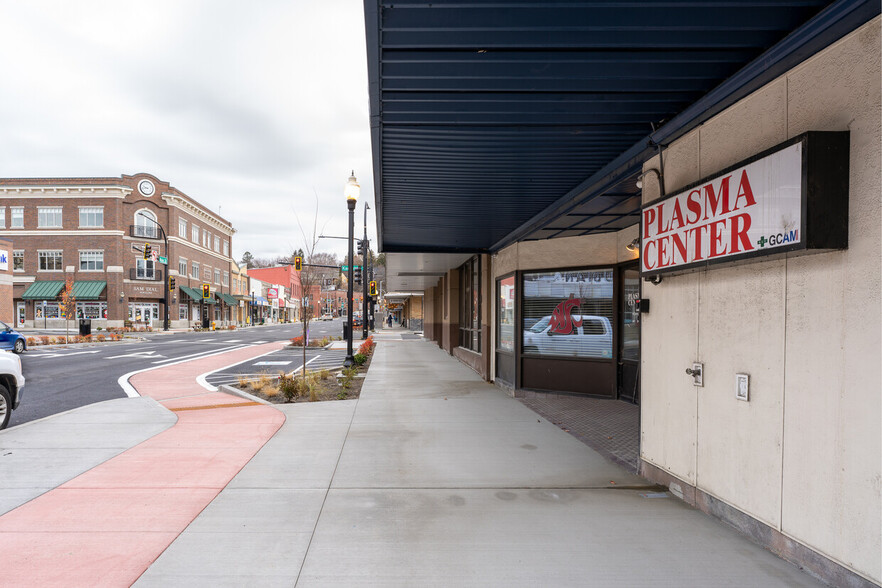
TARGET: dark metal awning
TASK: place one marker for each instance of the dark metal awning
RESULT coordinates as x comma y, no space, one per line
491,121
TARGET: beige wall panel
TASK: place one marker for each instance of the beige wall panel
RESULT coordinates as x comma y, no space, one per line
681,164
741,330
506,261
755,124
624,237
668,399
568,252
833,406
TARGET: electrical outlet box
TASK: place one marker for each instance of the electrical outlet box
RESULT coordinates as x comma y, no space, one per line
697,373
742,387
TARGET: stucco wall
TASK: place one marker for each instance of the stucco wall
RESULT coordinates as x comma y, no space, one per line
805,454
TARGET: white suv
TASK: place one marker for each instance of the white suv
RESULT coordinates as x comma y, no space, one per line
592,339
11,383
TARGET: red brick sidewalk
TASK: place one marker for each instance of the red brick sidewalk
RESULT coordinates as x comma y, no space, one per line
106,526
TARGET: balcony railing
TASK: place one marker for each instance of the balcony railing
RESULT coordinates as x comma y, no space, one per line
145,274
144,231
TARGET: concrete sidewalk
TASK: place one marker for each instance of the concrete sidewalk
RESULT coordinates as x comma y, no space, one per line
431,478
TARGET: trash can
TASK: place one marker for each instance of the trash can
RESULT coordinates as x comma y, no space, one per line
85,327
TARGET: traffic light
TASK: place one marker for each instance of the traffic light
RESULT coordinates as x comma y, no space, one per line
361,245
372,288
356,274
171,284
147,250
298,264
206,291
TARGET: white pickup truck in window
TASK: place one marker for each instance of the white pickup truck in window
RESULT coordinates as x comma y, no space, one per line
593,338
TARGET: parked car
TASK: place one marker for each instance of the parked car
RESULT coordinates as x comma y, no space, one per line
356,319
11,384
327,317
592,339
12,339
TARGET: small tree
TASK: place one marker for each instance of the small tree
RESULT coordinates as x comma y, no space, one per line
310,278
68,305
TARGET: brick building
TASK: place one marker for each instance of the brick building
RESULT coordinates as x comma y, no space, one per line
94,230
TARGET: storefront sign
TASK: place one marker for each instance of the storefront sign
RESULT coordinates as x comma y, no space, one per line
145,291
4,260
272,293
790,198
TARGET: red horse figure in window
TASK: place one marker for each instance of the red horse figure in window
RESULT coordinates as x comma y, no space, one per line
562,320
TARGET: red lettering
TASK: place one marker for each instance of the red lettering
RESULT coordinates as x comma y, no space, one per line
697,253
647,256
661,214
693,205
663,252
648,218
677,216
716,238
740,226
745,191
679,247
711,200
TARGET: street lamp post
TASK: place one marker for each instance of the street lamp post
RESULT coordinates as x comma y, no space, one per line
364,278
351,191
164,286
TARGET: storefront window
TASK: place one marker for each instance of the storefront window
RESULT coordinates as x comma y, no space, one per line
182,312
568,313
50,310
92,310
470,304
505,310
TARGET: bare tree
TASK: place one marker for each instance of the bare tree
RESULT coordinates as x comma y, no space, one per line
310,278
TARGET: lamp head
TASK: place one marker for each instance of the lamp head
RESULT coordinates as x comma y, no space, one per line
352,188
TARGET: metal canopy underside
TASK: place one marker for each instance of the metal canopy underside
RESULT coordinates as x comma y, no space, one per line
485,114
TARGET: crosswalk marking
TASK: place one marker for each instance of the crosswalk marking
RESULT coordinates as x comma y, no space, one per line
232,341
60,354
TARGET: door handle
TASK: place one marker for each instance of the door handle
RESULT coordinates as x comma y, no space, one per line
693,372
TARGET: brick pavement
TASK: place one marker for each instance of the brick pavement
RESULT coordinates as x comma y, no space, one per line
610,427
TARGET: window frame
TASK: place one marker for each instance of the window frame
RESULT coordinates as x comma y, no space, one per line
95,261
471,295
182,263
182,228
18,253
47,210
12,217
194,233
90,210
195,268
56,254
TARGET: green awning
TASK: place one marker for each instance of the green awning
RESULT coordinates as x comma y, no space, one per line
229,299
88,290
47,290
196,295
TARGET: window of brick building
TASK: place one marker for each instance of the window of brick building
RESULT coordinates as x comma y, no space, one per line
194,234
217,243
226,248
182,266
92,260
18,260
182,228
49,261
2,217
194,269
226,278
217,276
49,217
16,216
92,216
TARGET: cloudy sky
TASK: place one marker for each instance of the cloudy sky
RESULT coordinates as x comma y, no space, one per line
252,108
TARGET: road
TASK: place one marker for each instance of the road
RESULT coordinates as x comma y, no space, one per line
63,379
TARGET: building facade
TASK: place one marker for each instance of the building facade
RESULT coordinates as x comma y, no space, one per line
95,231
722,274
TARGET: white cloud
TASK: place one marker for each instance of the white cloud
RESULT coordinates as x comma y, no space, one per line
250,108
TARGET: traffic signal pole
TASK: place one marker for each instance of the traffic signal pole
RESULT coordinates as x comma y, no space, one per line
364,278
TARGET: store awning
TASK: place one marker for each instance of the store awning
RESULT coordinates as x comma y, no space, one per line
192,293
228,299
47,290
242,297
88,289
196,295
261,301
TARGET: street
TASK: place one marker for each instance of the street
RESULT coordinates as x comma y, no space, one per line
61,379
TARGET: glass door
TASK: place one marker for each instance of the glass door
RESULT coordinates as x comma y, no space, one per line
629,339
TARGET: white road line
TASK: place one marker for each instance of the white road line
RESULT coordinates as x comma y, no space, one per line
59,354
142,354
200,379
305,364
232,341
210,352
130,391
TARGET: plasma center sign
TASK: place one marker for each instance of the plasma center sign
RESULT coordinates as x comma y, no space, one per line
793,197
